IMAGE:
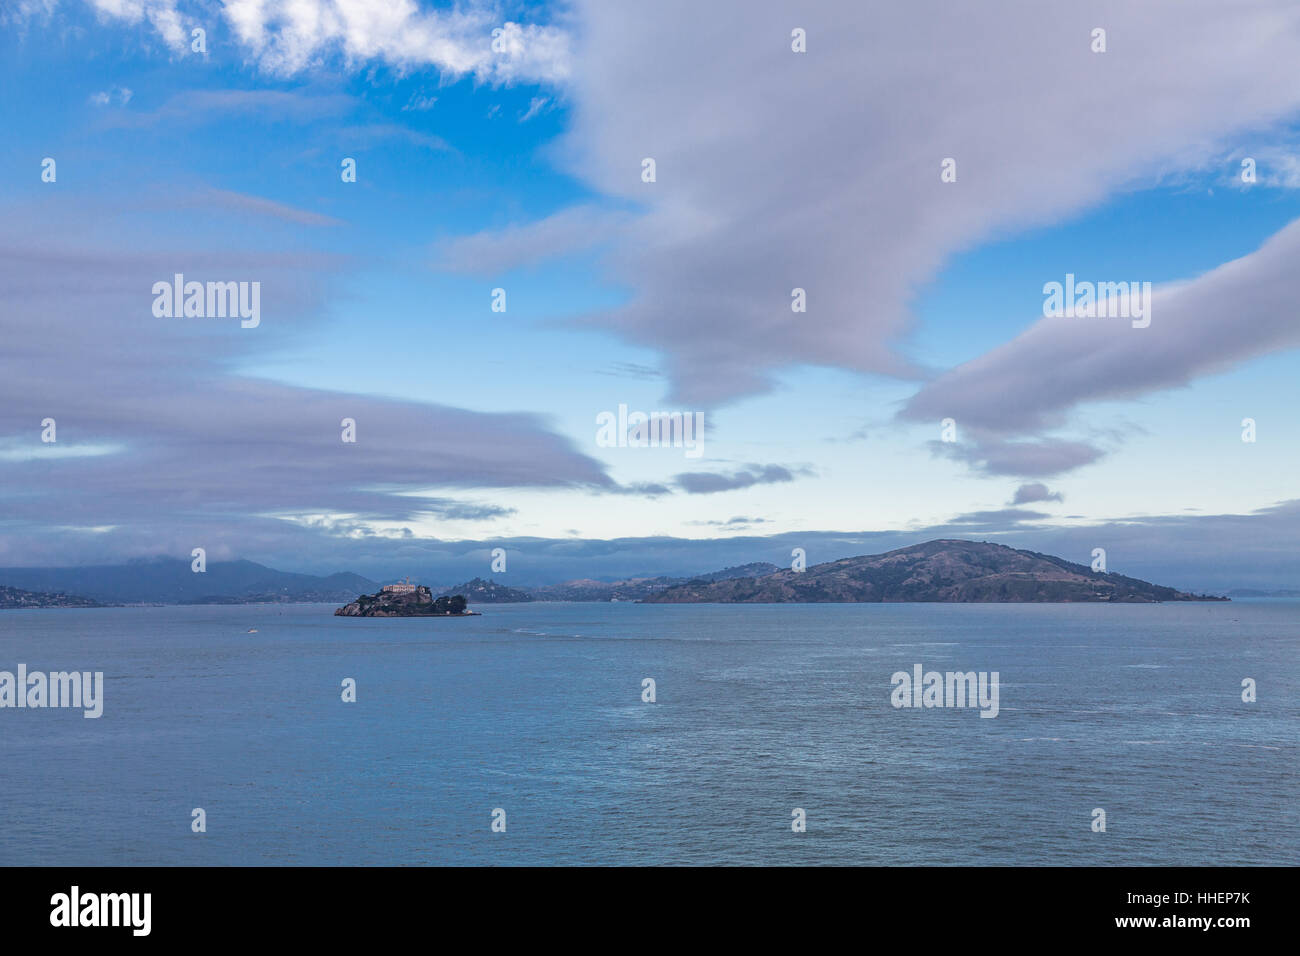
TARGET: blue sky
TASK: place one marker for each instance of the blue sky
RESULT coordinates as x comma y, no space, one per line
520,168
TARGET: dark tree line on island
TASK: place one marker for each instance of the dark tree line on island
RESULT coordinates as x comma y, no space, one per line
450,604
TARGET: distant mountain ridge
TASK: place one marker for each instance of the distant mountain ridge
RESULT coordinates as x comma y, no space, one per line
945,570
479,591
639,589
171,581
754,569
937,571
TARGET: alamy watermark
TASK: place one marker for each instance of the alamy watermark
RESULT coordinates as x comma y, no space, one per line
651,430
211,300
951,689
75,908
57,689
1091,300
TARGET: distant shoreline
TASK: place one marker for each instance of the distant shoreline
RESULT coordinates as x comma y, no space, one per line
948,571
263,604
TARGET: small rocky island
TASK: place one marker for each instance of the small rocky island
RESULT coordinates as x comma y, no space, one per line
406,600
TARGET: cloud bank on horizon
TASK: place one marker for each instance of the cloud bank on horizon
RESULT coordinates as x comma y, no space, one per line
504,145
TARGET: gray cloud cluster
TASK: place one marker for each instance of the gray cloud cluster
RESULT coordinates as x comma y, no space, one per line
707,483
712,482
1042,458
823,174
1035,491
155,433
998,520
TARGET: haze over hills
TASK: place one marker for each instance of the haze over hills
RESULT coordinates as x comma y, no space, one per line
171,581
945,570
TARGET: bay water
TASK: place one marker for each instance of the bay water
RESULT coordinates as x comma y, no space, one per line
536,710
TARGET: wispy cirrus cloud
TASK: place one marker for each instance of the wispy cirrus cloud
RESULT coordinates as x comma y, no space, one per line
104,97
739,522
367,135
1028,386
260,206
195,107
536,106
493,251
420,103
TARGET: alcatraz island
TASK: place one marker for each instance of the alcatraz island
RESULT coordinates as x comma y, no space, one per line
407,600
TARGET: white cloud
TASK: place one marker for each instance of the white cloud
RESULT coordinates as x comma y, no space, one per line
23,10
535,107
289,36
820,170
163,15
104,97
420,103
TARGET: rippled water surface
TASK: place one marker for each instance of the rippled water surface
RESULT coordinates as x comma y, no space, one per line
536,709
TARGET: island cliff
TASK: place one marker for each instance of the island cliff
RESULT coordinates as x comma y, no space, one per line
416,602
